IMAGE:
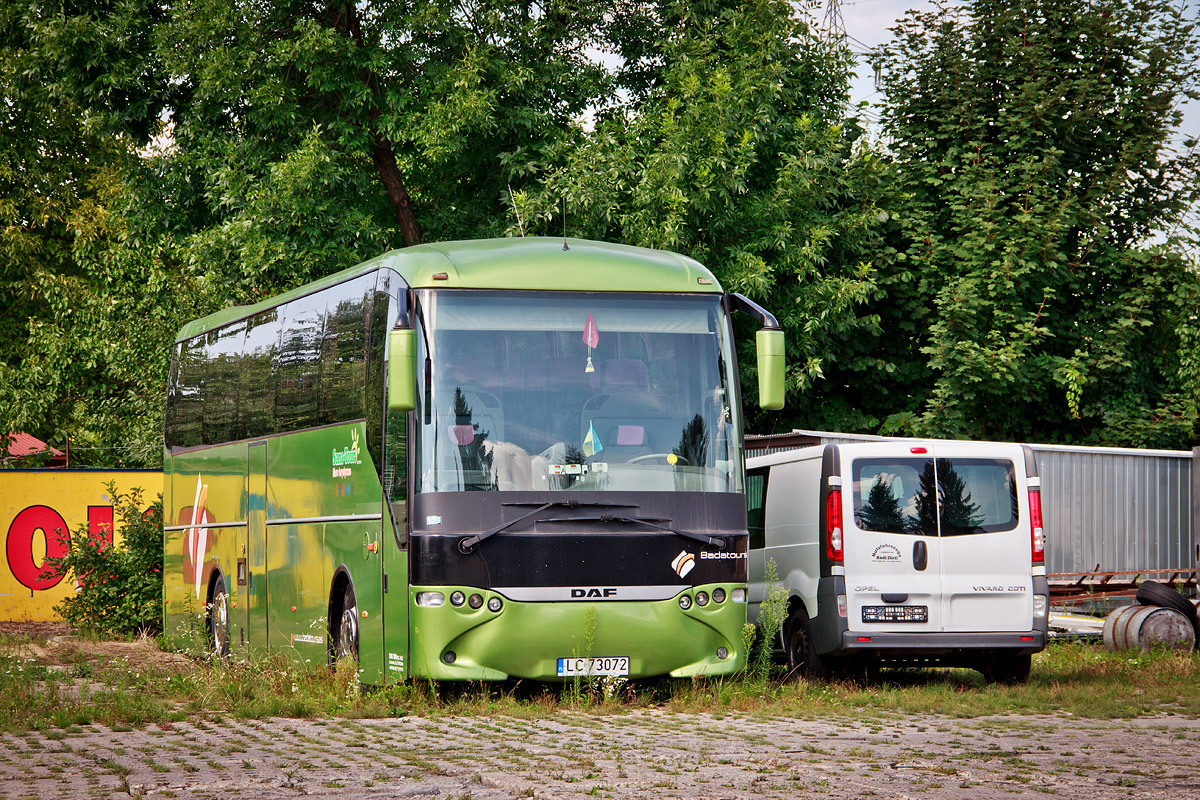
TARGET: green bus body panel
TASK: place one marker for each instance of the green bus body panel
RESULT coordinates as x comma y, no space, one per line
532,263
291,498
216,477
525,640
315,478
255,619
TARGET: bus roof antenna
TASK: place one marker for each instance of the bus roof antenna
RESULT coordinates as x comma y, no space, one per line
564,207
512,198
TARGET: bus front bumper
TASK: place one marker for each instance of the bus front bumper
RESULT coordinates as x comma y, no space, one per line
527,639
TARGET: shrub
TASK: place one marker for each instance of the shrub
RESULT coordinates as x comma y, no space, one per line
119,588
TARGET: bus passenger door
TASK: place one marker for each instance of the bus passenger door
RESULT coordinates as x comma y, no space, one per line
252,567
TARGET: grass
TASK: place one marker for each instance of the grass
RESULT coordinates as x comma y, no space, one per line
83,688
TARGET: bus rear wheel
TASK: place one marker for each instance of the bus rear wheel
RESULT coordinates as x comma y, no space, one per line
345,633
218,619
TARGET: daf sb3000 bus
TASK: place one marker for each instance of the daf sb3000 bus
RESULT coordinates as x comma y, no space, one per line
500,459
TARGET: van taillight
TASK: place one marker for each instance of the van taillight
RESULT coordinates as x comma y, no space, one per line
1037,535
833,525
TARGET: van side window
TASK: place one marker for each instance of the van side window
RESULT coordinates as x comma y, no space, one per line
756,500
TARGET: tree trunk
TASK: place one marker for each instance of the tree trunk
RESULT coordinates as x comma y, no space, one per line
393,183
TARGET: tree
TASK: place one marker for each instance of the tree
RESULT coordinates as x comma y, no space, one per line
733,149
1040,279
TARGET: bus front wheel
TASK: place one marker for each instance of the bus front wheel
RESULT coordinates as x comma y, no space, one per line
346,631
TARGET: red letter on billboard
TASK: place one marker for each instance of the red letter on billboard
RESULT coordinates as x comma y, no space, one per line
100,523
20,545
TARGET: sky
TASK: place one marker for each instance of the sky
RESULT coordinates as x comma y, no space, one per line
867,23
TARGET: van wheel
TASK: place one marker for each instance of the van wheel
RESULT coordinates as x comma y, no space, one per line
1007,670
803,661
345,629
218,619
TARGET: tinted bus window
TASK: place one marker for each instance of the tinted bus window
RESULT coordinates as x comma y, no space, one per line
258,384
185,421
297,363
223,402
344,352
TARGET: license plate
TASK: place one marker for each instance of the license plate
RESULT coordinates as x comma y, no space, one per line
895,614
588,667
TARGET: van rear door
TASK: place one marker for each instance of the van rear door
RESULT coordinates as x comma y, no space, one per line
987,576
891,555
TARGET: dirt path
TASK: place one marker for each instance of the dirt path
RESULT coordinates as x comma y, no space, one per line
640,755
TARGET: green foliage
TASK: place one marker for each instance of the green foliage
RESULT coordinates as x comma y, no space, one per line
771,616
1040,270
119,587
735,152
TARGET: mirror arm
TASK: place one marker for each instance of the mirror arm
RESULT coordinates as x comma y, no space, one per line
739,302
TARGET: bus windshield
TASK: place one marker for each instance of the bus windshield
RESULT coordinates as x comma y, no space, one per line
560,391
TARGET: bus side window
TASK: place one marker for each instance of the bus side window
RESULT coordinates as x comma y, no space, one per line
258,388
344,352
185,419
756,507
297,363
223,421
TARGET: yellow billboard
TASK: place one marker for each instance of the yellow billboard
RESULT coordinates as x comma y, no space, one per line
34,506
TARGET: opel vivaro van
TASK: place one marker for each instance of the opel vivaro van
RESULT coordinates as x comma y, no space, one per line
902,552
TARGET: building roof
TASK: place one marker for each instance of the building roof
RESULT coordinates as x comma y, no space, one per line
21,444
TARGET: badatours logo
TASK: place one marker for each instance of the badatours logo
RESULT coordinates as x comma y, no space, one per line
685,561
886,552
345,459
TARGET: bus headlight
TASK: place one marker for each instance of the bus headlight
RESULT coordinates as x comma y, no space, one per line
738,596
457,598
701,598
475,601
494,604
685,602
430,599
718,595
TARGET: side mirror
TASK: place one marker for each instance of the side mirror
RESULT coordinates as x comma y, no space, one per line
769,343
402,370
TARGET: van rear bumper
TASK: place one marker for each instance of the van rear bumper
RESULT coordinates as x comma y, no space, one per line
934,645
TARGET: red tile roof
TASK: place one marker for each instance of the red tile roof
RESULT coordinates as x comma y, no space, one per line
22,444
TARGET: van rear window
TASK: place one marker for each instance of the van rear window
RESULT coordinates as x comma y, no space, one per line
896,495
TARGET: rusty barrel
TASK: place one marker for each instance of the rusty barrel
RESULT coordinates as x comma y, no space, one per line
1143,627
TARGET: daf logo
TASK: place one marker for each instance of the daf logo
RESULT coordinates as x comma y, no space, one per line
577,594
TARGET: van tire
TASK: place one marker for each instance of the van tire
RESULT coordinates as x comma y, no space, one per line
1007,670
803,661
1153,593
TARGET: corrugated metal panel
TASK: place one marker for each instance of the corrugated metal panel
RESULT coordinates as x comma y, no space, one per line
1103,508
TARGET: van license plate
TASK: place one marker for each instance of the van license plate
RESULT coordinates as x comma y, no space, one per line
616,665
895,614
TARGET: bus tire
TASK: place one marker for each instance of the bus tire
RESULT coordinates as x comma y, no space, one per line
345,634
218,618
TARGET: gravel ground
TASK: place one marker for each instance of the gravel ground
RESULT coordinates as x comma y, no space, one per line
648,754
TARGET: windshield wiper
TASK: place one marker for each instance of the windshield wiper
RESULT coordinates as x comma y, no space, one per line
468,544
712,541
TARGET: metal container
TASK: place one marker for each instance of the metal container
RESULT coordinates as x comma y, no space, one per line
1144,627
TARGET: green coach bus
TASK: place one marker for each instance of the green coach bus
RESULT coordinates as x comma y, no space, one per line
515,458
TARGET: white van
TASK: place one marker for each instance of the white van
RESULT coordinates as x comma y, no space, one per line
903,552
